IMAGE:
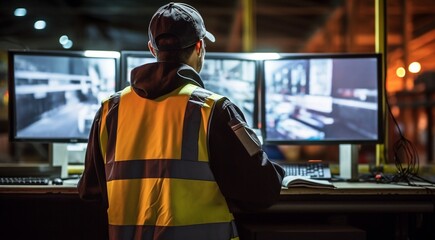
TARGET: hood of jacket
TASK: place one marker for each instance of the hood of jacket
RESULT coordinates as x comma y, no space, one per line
157,79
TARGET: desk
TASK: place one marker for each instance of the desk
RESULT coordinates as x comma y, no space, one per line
381,211
49,213
358,197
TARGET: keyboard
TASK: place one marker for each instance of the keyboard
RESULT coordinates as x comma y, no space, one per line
311,170
24,181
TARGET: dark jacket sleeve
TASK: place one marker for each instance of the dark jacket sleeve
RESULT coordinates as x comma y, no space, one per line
92,184
248,182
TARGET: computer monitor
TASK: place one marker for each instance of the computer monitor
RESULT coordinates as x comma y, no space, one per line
54,95
233,75
130,60
322,98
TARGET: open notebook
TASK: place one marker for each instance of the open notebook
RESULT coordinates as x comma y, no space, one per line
299,181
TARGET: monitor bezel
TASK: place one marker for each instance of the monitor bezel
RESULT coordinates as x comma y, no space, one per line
11,89
295,56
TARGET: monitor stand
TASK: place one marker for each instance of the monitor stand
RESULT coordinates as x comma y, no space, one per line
348,157
59,157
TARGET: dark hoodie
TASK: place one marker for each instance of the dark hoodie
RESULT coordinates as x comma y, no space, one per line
246,181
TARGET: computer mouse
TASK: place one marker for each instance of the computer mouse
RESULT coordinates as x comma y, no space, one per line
57,181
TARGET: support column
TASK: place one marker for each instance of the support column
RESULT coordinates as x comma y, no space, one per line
381,47
248,7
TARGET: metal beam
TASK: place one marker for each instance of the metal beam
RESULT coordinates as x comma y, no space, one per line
381,47
248,25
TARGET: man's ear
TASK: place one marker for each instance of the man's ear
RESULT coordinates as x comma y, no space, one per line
198,47
150,47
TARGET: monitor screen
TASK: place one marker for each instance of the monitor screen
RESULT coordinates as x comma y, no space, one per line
322,98
233,75
130,60
54,95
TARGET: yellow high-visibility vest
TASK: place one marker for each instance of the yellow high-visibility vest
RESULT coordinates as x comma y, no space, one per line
159,182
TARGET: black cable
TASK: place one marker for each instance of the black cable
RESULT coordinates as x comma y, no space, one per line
404,152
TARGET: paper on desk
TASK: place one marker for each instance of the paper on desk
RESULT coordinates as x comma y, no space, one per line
297,181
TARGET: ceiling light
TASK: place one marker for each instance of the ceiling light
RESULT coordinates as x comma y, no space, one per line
63,39
400,72
40,24
414,67
68,44
20,12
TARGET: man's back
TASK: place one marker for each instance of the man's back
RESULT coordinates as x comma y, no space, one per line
162,154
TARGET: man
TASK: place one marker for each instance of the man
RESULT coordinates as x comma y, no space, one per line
168,158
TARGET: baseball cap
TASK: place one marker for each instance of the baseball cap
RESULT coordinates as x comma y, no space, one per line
179,21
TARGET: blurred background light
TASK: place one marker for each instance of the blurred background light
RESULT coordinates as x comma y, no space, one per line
400,72
414,67
68,44
92,53
40,24
20,12
63,39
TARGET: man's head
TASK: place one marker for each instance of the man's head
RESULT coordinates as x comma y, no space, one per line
176,33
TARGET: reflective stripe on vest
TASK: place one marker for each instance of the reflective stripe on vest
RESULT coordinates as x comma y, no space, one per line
162,167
